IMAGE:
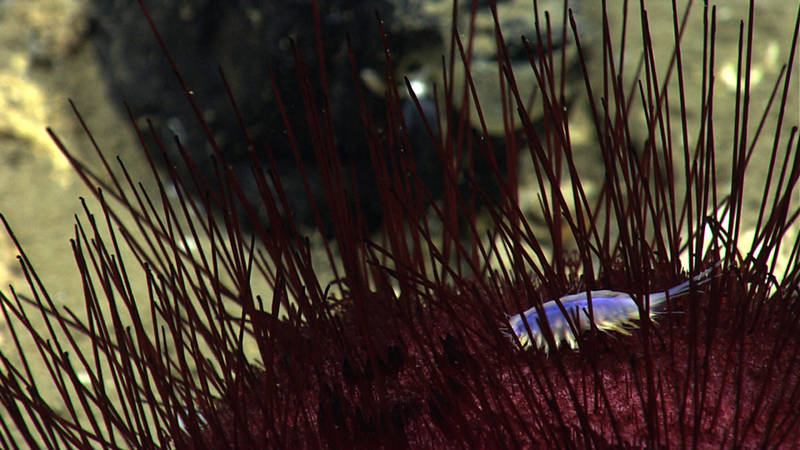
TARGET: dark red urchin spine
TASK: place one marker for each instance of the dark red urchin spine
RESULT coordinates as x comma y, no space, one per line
406,347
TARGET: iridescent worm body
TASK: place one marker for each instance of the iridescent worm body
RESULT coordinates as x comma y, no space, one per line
612,311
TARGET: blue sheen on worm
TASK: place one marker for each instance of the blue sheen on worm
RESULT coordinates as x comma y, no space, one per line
612,311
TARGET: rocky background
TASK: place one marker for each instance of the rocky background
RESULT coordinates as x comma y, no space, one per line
101,53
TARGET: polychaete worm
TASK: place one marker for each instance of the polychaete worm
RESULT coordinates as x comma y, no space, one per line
612,311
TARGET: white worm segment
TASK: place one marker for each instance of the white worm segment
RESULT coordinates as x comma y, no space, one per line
612,311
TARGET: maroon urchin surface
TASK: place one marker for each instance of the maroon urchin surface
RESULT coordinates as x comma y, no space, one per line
433,382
